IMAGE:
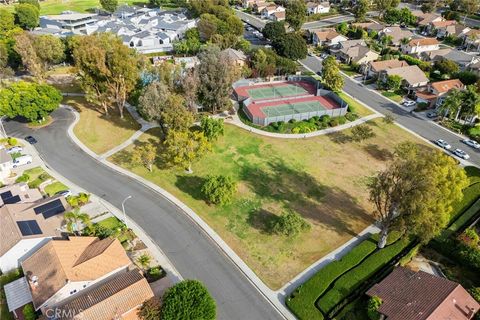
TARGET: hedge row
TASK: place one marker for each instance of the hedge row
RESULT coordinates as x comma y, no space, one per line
473,174
351,280
302,300
464,218
470,195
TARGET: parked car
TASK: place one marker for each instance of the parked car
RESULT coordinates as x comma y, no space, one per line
432,114
461,154
324,55
15,149
65,193
471,143
443,144
22,160
31,140
408,103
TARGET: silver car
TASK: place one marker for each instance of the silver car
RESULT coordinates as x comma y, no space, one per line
471,143
443,144
461,154
15,149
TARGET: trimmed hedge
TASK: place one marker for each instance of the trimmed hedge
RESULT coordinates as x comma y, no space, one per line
302,300
470,195
464,218
351,280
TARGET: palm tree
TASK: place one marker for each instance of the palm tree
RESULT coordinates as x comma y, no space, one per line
74,219
452,104
471,99
144,261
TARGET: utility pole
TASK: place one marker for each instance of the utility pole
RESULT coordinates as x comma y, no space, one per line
123,209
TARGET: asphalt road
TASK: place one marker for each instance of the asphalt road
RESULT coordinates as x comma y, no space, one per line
425,128
327,22
188,247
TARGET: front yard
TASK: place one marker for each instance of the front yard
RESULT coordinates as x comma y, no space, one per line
97,131
395,96
322,178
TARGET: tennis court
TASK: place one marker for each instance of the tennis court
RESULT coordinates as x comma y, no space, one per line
276,91
293,108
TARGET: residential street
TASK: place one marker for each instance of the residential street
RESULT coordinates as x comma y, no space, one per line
425,128
191,251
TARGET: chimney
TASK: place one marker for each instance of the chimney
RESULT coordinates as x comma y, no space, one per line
33,281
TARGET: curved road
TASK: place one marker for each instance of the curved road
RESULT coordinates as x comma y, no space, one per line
188,247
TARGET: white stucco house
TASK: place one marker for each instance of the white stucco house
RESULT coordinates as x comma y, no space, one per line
417,46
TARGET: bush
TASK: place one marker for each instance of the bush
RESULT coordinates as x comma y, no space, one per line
188,299
23,178
219,189
421,106
12,141
475,292
290,224
348,282
342,120
333,122
29,312
372,307
78,200
292,121
325,118
155,273
150,309
350,116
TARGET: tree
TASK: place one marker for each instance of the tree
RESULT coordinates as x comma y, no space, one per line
292,46
108,70
16,100
274,30
331,74
29,312
216,75
150,309
290,224
393,83
145,154
27,16
372,308
452,104
427,7
34,3
144,260
262,64
49,49
212,128
416,191
219,189
447,67
188,300
30,60
74,219
361,9
407,17
109,5
7,21
469,6
362,132
175,116
342,28
471,103
296,14
189,85
182,148
190,43
383,5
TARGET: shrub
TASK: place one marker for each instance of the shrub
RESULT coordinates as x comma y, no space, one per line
325,118
292,121
219,189
475,292
372,307
29,312
12,141
155,273
144,260
290,224
333,122
362,132
23,178
78,200
421,106
469,237
44,177
150,309
342,120
350,116
188,299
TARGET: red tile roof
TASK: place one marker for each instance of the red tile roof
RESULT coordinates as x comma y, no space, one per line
423,42
447,85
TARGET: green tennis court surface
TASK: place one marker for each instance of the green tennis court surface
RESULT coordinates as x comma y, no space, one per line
271,92
292,108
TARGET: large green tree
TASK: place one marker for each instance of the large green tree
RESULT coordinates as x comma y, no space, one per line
182,148
212,128
108,70
109,5
274,30
27,16
360,10
30,100
7,21
416,191
331,74
296,13
383,5
452,104
188,300
216,75
190,44
292,46
219,189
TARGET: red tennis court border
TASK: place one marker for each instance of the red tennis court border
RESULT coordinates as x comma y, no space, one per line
242,91
256,108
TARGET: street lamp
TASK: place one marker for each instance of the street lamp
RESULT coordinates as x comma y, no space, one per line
123,209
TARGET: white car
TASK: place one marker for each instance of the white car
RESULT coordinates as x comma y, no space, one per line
471,143
461,154
443,144
15,149
22,160
409,103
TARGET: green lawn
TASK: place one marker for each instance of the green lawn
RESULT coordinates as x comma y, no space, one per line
355,106
57,6
348,70
315,177
55,187
98,131
395,96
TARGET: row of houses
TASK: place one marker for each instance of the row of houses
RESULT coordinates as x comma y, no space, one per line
145,29
274,12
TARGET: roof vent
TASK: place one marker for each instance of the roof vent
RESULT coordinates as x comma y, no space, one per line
34,281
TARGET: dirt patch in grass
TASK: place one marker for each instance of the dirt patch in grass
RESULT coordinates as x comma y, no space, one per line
321,178
97,131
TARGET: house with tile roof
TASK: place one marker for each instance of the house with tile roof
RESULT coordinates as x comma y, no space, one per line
417,46
27,221
373,68
438,28
270,10
413,77
278,16
471,40
424,19
369,26
436,92
410,295
327,37
358,54
462,58
396,33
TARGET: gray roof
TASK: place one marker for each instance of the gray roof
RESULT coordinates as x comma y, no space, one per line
17,293
142,34
455,55
163,35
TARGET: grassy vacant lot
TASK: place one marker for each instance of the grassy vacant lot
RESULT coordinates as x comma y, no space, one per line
97,131
57,6
316,177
